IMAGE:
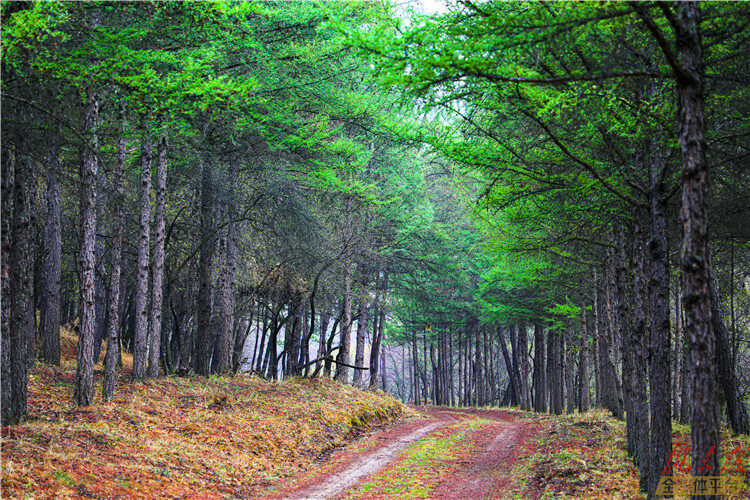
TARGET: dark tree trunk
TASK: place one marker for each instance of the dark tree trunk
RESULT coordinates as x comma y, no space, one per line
84,391
636,341
7,388
540,385
227,283
113,305
584,397
325,317
694,253
660,332
157,288
140,340
375,350
342,371
512,375
203,338
49,324
570,372
555,378
612,390
21,267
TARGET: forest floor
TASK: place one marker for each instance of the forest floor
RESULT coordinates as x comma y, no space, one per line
223,437
477,453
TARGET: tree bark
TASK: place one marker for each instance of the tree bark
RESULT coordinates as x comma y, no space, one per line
523,358
227,283
570,392
84,390
49,316
205,283
7,388
157,280
584,397
540,384
660,332
140,334
342,371
113,306
694,252
359,356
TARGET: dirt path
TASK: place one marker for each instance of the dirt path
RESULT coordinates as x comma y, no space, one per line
452,453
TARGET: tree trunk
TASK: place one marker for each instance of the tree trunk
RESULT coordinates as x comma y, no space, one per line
570,372
659,363
325,317
205,284
227,283
49,324
523,359
113,305
512,376
7,389
375,350
584,397
342,371
21,267
555,375
157,289
540,385
359,357
694,253
636,341
84,391
140,339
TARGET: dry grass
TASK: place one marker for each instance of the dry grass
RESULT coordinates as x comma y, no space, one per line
174,437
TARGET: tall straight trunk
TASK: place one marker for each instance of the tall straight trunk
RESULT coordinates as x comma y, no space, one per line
49,324
359,356
736,411
677,356
555,375
694,252
660,382
157,289
113,304
415,366
597,334
621,299
294,329
21,268
611,388
227,283
383,372
375,350
141,295
435,392
478,375
6,388
685,407
584,397
523,345
570,372
325,317
84,391
329,343
636,341
205,284
342,371
540,386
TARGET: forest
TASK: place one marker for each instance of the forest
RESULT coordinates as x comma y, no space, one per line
542,205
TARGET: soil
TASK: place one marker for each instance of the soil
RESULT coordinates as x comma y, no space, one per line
482,473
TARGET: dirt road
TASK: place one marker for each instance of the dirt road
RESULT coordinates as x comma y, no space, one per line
451,453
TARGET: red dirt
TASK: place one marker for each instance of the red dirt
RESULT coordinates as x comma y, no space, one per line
483,473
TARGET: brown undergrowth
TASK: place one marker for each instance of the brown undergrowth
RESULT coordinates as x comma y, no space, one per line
579,456
179,437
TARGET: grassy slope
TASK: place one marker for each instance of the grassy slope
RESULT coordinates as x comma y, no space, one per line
176,436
